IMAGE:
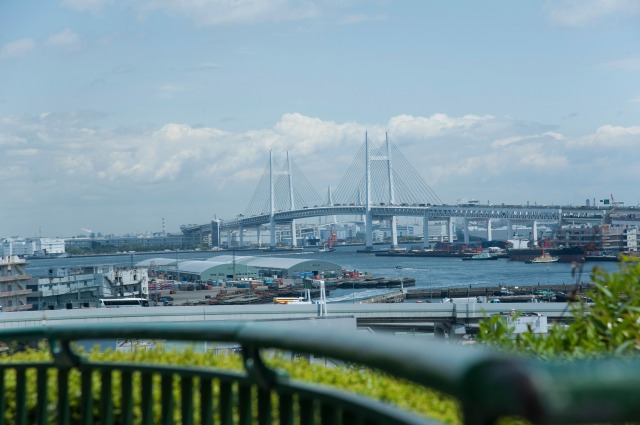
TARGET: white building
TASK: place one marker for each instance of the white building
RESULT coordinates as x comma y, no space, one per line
44,247
39,247
13,284
16,246
84,288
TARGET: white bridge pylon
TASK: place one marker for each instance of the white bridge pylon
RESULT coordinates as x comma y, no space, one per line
272,204
369,217
372,172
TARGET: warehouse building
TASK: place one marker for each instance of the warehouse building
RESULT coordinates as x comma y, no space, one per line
229,267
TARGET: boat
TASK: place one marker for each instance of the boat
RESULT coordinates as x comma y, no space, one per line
484,255
326,249
544,258
565,254
602,256
399,267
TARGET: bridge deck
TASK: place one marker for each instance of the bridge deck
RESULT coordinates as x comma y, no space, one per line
425,312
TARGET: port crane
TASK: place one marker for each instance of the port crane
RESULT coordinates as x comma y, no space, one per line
333,239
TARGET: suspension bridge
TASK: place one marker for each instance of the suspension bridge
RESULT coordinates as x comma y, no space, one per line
380,185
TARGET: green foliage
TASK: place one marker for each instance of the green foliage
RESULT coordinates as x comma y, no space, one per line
374,384
608,326
363,381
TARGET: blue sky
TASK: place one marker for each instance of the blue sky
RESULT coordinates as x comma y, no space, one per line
115,114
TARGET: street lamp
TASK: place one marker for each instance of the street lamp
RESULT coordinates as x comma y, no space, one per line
547,276
353,289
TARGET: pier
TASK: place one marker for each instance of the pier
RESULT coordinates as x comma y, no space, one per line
504,293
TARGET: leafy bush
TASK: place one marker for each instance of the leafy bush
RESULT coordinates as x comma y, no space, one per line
345,377
607,326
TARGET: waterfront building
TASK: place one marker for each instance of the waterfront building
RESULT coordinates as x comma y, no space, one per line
13,284
44,247
16,246
211,270
603,238
143,242
83,287
229,267
38,247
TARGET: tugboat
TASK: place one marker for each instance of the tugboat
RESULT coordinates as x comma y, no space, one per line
544,258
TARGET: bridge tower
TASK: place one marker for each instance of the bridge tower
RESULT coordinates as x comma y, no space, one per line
272,201
392,198
272,206
368,242
292,202
391,201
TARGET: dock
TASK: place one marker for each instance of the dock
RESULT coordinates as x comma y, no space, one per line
510,294
368,282
396,297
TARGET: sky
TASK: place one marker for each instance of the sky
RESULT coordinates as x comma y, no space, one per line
117,116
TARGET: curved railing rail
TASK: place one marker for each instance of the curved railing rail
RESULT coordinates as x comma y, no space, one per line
489,385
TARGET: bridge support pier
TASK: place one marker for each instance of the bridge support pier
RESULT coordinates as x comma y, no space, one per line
425,233
368,230
466,230
449,330
489,235
450,229
272,234
258,235
534,230
294,239
394,232
241,236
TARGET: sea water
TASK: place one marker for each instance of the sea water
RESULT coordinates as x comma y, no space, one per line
429,272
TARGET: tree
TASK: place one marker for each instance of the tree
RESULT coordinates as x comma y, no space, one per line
607,325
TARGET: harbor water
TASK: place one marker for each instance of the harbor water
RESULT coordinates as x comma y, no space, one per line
429,272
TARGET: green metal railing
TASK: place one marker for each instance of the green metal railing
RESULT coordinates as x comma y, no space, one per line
488,385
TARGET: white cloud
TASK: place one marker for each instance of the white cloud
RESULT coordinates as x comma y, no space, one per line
208,169
65,39
23,152
224,12
580,13
13,171
437,124
16,48
358,19
167,91
631,63
87,5
9,140
610,137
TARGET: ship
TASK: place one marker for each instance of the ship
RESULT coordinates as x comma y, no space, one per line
484,255
565,254
424,253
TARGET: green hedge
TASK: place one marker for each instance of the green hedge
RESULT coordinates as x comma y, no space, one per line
403,394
